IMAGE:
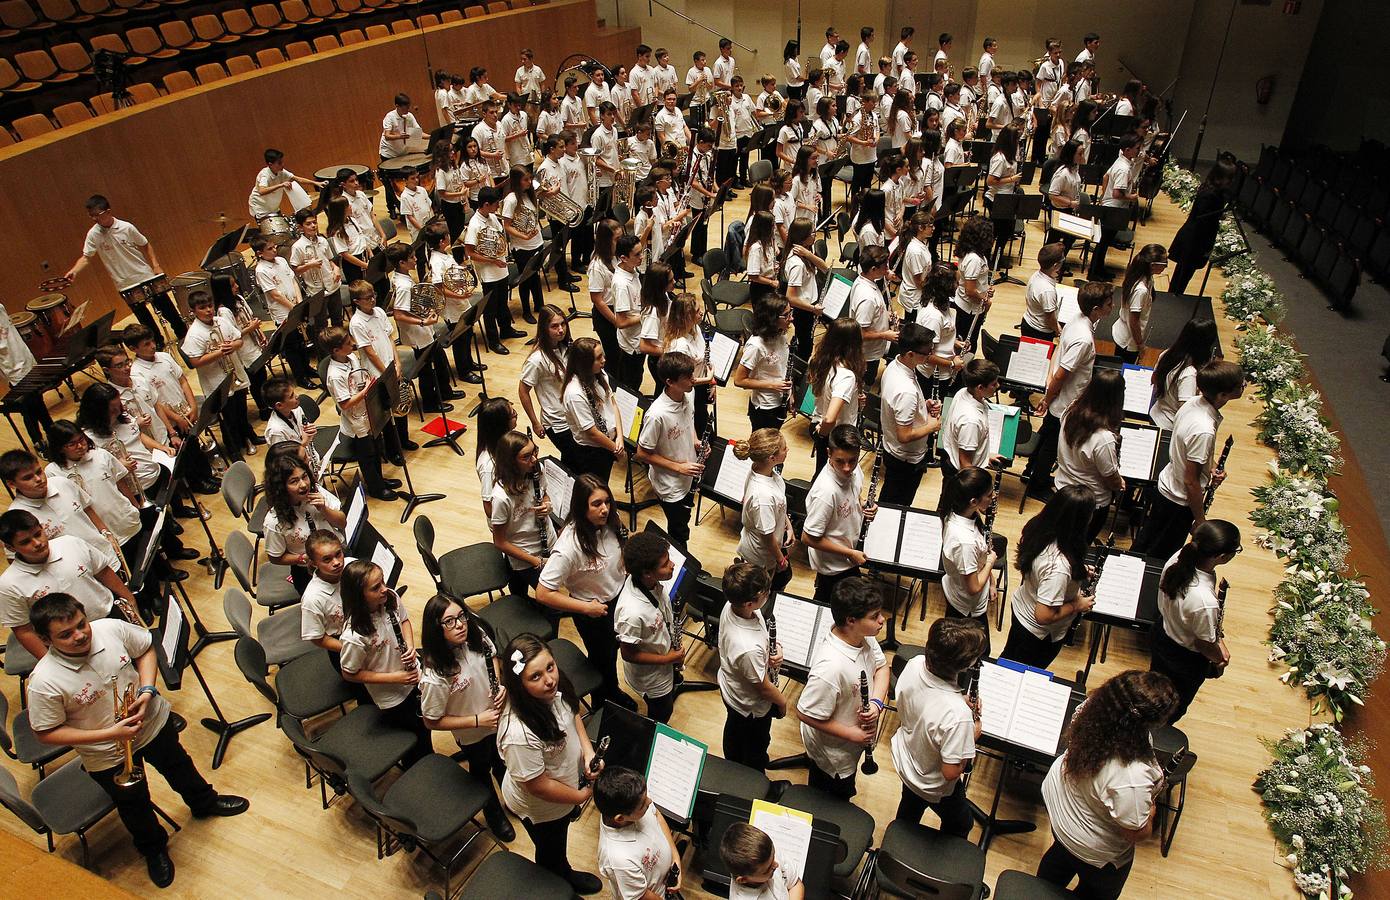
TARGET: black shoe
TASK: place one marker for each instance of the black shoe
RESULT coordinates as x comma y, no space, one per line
512,334
391,483
175,527
387,495
178,721
396,461
176,575
184,511
225,805
257,440
499,349
529,317
570,286
433,409
161,868
409,445
482,367
206,487
471,378
455,395
498,823
185,553
584,883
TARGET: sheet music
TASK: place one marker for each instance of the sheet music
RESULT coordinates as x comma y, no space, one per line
998,694
299,198
723,353
796,628
881,541
791,839
559,486
1028,364
356,512
163,459
921,547
627,408
836,295
673,773
996,425
326,458
1040,713
733,474
1121,580
1070,307
384,557
1138,389
173,627
1138,446
1076,226
677,563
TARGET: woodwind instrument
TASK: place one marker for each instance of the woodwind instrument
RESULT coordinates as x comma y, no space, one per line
673,880
1220,467
772,672
536,497
131,774
589,394
1213,670
993,507
407,661
873,486
491,671
587,776
678,641
972,690
1174,763
869,766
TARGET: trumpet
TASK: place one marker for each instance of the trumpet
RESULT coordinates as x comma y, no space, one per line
117,449
243,315
131,774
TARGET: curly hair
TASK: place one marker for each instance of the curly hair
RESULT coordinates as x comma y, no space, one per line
976,236
1114,722
278,473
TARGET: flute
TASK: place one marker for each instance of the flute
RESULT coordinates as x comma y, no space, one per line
869,766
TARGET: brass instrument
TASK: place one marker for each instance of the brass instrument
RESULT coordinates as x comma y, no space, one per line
700,90
225,361
243,315
498,167
117,449
679,155
722,100
625,181
773,103
559,207
131,774
404,396
589,157
357,381
492,242
424,300
461,279
524,217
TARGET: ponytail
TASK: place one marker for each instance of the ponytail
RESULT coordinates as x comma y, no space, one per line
1213,538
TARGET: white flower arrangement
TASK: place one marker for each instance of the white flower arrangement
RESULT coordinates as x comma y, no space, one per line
1293,424
1253,297
1269,359
1180,184
1317,802
1322,634
1300,521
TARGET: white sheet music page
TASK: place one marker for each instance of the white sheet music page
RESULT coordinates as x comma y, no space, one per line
678,562
836,295
1138,389
627,407
881,541
796,628
674,774
559,486
998,695
921,547
1040,714
1138,446
173,624
1117,591
723,352
1069,295
791,839
1028,364
733,474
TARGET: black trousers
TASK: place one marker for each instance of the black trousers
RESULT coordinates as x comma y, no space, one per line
551,840
560,237
678,518
825,584
433,380
456,217
405,716
871,371
485,764
766,418
948,474
704,406
393,202
167,310
1097,268
462,350
1039,468
1187,669
133,804
607,334
496,316
863,178
968,327
364,450
699,236
827,186
630,370
601,647
746,738
1097,522
659,709
564,443
952,809
1029,331
590,460
1165,527
521,581
37,420
582,245
1129,356
1041,130
1183,270
821,780
531,295
804,327
1025,647
1059,867
900,479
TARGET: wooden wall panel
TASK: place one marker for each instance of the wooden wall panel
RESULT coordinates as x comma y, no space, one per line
174,166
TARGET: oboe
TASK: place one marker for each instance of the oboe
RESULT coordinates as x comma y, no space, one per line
1213,670
873,489
869,766
1220,467
588,776
541,524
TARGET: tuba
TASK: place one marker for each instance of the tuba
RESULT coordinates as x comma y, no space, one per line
589,156
625,181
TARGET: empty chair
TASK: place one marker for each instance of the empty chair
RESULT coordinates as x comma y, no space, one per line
377,31
496,7
1306,253
278,635
17,16
325,42
37,65
428,20
917,861
401,26
12,82
178,81
352,36
144,92
465,571
267,15
513,615
298,49
325,9
102,104
451,15
146,42
358,742
71,113
352,7
505,874
238,22
306,686
116,44
269,57
272,590
63,12
1015,885
177,37
135,5
856,825
72,58
209,72
25,747
474,12
31,126
380,5
211,29
104,8
237,65
572,661
1343,281
296,13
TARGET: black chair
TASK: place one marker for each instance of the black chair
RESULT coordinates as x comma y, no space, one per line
1344,280
1377,258
20,663
1329,208
465,571
357,743
1294,188
1280,221
572,661
1362,234
25,747
505,874
279,635
1326,258
721,291
916,861
1171,747
1014,885
1263,206
513,615
856,825
1306,253
1245,196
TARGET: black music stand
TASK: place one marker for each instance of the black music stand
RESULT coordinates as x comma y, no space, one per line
312,307
1010,208
717,205
381,401
466,324
532,270
224,245
171,634
686,585
214,562
448,436
553,260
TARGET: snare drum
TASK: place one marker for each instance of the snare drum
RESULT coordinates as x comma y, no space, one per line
29,328
233,265
53,312
146,291
279,229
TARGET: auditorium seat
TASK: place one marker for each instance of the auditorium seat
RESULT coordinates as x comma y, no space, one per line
6,139
146,42
377,31
267,15
116,44
380,5
325,42
401,26
351,7
136,5
497,6
210,28
177,37
298,49
18,17
238,22
143,92
71,113
37,65
271,56
352,36
102,104
207,73
428,20
63,12
325,9
237,65
32,126
72,57
104,8
178,81
12,82
451,15
296,12
474,12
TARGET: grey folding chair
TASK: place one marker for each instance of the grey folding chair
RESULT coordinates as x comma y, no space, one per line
462,572
357,743
279,635
1014,885
856,825
513,615
24,746
274,590
505,874
916,861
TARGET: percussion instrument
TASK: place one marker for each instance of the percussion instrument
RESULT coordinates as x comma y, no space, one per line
395,168
54,312
233,265
184,285
145,291
279,229
37,340
54,284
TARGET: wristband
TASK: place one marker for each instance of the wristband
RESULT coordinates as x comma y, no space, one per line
877,702
147,689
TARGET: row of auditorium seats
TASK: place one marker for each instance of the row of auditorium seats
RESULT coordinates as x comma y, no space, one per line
1328,221
71,64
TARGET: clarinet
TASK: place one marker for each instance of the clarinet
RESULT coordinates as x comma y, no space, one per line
972,691
772,673
706,444
1213,670
873,488
673,880
599,421
677,632
993,505
491,672
1220,467
869,766
541,523
588,776
401,646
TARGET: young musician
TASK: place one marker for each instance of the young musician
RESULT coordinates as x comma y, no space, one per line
1041,302
211,346
439,261
917,262
16,362
739,126
627,310
1088,451
967,554
681,333
100,416
42,567
296,505
417,207
635,849
1118,190
974,294
835,514
937,729
544,745
376,352
654,306
869,307
835,375
763,368
74,459
908,418
519,206
460,691
669,446
349,382
417,332
1175,377
352,245
1071,372
1176,500
760,254
748,666
485,232
378,650
286,422
965,437
541,388
1131,331
646,625
520,523
700,190
62,505
801,267
71,705
1052,560
938,316
586,564
1190,647
397,126
751,858
321,605
602,267
496,417
313,259
591,411
835,725
1109,755
767,532
870,223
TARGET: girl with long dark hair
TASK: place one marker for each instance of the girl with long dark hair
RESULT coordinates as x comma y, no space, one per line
602,265
103,419
496,417
543,378
800,267
1175,376
966,554
658,287
763,367
974,293
1064,190
1051,557
835,375
520,525
297,505
1088,452
592,412
870,225
1131,331
796,83
1003,177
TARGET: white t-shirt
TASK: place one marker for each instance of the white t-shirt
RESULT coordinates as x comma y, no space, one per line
668,429
627,299
775,888
395,123
964,548
942,323
966,429
935,726
1066,182
868,308
71,568
1094,459
1180,387
373,329
281,538
1048,581
832,693
531,78
766,359
99,474
64,511
644,621
546,381
467,692
583,577
670,125
579,413
278,276
528,757
354,422
515,510
764,514
321,609
376,652
488,272
833,510
1040,300
509,211
195,344
1117,178
801,274
903,405
974,268
1141,301
1076,352
1191,616
743,660
417,207
16,359
325,276
119,249
1088,818
635,859
1000,167
1194,440
917,265
839,384
268,204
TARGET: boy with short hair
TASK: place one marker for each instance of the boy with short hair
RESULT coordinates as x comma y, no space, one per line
747,667
58,503
636,851
370,327
349,381
167,382
211,347
669,445
492,270
1041,300
700,179
287,422
71,705
313,259
321,619
645,624
281,289
438,262
751,859
417,332
416,206
834,514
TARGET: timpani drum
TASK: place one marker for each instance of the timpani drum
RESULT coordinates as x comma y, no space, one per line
278,229
29,328
54,312
329,174
395,168
185,284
